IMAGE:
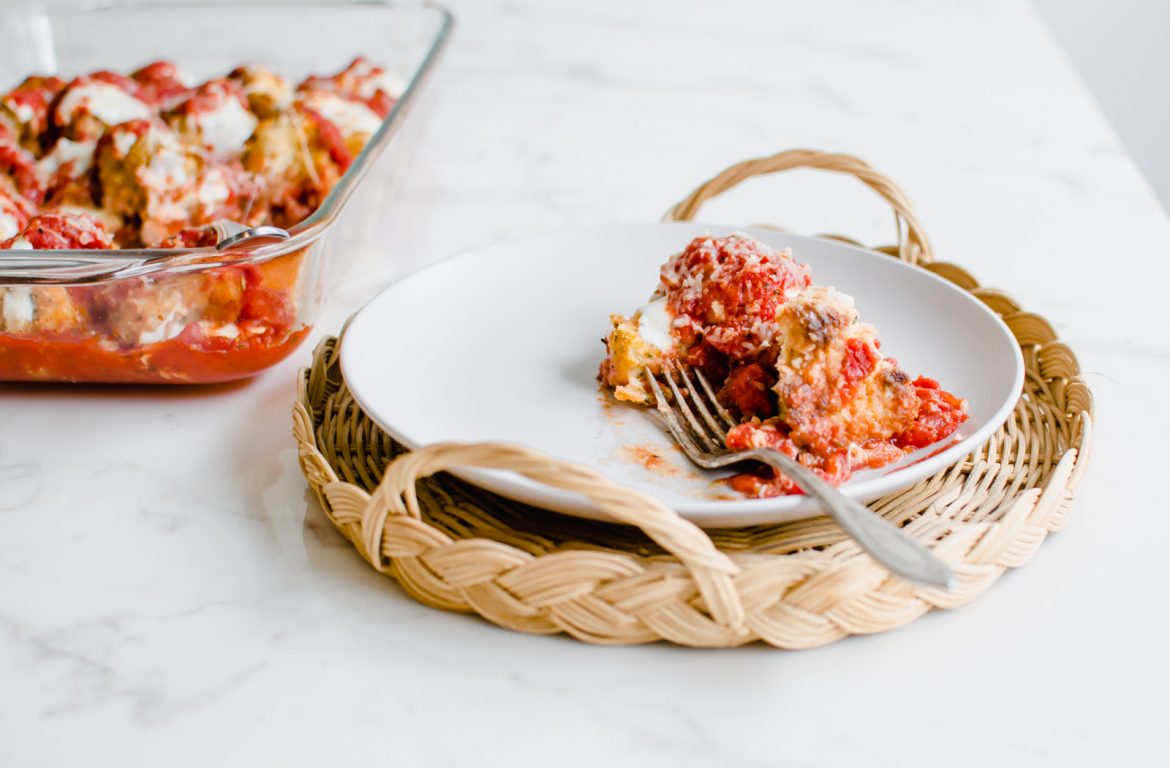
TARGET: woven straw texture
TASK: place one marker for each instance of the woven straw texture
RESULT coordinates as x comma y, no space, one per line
797,585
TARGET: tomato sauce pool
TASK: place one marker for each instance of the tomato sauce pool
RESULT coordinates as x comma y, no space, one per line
174,361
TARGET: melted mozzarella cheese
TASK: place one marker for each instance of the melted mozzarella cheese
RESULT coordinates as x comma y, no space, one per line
18,308
23,112
80,153
391,84
213,190
654,322
351,117
223,331
369,79
9,225
106,102
185,78
168,328
225,128
167,168
124,141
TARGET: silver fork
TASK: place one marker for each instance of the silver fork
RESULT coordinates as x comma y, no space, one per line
703,438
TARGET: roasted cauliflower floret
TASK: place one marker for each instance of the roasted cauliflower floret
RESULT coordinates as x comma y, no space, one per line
149,310
151,177
299,156
71,186
354,120
266,91
24,111
628,358
90,105
50,309
41,309
18,167
15,210
834,387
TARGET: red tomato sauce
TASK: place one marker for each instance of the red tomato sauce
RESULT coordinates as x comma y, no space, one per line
939,414
185,359
247,320
740,283
331,137
747,391
20,165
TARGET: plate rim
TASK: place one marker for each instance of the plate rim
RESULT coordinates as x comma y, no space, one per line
710,513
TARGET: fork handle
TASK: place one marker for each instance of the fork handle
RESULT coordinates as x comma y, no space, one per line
884,541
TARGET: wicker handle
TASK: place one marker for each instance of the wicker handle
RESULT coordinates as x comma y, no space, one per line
711,569
913,245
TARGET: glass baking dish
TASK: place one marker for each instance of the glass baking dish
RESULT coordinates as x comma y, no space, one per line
199,298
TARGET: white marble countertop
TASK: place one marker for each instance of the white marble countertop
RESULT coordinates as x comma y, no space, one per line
172,596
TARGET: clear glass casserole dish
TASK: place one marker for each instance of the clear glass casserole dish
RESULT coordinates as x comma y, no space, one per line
207,314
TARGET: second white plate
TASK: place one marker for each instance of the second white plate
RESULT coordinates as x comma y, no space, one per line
503,344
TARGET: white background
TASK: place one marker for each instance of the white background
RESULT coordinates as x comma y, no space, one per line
1119,48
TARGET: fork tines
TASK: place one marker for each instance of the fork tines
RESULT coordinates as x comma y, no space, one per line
696,434
703,437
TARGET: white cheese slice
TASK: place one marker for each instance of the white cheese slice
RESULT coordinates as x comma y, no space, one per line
18,308
167,328
654,322
351,117
9,225
105,101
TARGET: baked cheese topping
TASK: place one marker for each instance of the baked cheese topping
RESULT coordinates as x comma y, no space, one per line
18,307
105,101
11,219
9,224
151,159
352,117
225,128
75,156
22,111
654,324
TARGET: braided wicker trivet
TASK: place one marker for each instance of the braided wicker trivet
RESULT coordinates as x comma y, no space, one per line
797,585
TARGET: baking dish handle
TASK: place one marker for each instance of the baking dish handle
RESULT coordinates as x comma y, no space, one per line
913,245
88,266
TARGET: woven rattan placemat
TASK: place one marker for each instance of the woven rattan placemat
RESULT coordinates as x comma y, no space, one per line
796,585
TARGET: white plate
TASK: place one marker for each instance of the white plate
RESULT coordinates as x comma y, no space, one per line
503,344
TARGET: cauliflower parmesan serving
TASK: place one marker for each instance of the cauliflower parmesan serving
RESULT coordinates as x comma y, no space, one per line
153,159
790,359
